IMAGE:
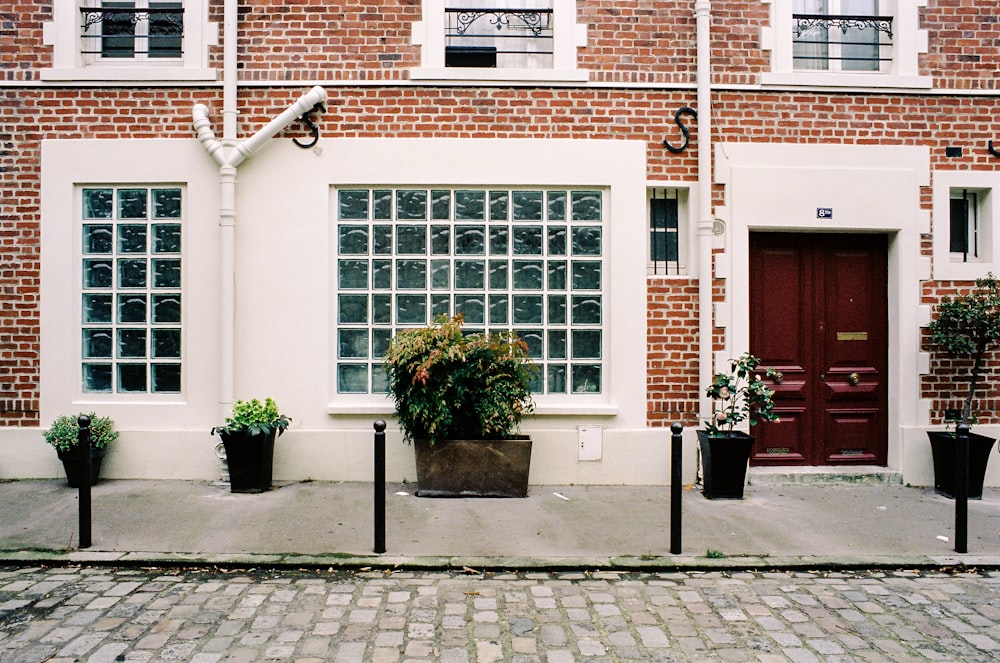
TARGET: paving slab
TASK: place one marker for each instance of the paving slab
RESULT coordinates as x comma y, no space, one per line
556,526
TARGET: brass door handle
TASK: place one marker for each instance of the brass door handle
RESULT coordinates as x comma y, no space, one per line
854,378
777,377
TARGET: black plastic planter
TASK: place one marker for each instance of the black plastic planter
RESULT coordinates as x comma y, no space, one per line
74,470
724,464
250,459
943,452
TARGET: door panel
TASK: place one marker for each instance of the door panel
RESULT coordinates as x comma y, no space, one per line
818,317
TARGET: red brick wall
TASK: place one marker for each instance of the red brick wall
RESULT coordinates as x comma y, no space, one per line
21,52
19,264
645,41
947,384
649,42
672,359
964,45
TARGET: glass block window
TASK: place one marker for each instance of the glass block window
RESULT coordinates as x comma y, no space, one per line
131,290
531,261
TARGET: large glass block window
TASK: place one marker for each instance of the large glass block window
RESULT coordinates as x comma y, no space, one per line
134,30
131,290
488,33
531,261
840,35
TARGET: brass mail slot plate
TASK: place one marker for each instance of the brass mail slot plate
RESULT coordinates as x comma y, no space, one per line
852,336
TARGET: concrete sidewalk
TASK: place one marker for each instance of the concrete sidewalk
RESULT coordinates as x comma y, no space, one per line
331,524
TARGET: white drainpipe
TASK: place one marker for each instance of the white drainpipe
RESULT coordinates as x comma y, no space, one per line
229,154
706,356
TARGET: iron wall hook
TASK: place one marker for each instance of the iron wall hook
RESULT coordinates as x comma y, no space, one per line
684,130
994,151
312,127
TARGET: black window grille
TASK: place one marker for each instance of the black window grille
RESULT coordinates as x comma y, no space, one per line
498,37
664,244
122,30
848,43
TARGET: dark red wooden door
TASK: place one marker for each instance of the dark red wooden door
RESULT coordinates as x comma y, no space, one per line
818,316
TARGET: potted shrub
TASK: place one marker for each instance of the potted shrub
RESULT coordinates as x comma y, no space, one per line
64,435
966,328
459,399
248,437
725,451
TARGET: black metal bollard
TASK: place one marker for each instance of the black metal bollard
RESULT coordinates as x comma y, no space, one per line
379,486
676,487
83,457
962,489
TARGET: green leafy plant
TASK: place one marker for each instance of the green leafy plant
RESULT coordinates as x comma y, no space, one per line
64,433
742,395
449,385
254,417
967,327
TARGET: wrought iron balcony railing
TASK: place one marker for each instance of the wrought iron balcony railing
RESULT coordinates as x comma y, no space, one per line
130,32
492,37
858,43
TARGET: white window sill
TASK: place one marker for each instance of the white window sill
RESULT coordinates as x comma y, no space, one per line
134,73
595,410
486,75
846,80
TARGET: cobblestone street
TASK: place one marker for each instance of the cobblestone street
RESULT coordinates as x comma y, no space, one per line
96,614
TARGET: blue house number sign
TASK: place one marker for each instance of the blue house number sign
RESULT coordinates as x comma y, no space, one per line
824,212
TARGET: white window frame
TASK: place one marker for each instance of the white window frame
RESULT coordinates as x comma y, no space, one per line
902,72
950,266
69,63
68,166
117,291
429,34
618,167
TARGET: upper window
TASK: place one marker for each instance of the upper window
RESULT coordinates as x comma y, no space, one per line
840,35
133,30
499,40
137,40
966,244
498,36
666,208
963,219
131,290
871,43
529,261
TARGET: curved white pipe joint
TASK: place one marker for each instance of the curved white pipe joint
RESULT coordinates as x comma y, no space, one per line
304,104
203,127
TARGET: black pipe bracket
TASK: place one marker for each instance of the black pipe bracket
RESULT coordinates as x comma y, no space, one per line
312,126
681,112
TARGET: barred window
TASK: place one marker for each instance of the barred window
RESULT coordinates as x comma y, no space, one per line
529,261
135,30
131,289
498,34
840,35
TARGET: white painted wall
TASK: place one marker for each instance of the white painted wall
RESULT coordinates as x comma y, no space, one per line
871,189
284,295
